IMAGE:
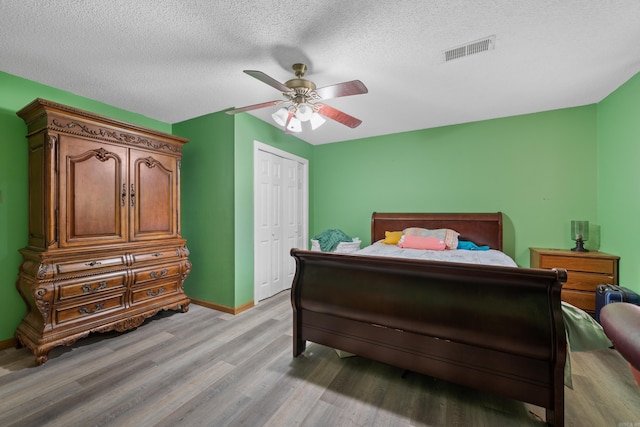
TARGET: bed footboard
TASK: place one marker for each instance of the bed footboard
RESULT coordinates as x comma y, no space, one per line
496,329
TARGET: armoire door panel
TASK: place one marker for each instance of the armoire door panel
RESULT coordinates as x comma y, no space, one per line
153,199
91,193
38,208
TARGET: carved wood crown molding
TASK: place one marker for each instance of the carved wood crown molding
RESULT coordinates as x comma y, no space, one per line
74,127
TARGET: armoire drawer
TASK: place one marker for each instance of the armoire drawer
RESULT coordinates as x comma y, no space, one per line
158,272
89,308
90,264
159,290
156,255
90,286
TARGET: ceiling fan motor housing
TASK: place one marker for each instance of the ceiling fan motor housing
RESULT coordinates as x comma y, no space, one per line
297,84
300,86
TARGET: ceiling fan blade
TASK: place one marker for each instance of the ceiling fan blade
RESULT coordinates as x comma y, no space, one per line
337,115
268,80
254,107
354,87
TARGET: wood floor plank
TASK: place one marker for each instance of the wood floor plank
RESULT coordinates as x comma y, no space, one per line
207,368
310,374
223,400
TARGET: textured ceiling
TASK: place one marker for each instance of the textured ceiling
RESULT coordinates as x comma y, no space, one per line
175,60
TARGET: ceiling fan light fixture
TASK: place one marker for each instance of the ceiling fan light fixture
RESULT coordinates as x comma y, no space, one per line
316,121
295,125
304,112
280,116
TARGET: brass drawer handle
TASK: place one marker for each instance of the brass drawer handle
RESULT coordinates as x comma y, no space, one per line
92,263
157,254
85,310
86,288
151,293
155,275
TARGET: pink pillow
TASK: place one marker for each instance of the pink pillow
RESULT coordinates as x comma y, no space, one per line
417,242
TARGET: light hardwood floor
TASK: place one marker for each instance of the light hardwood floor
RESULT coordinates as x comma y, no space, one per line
207,368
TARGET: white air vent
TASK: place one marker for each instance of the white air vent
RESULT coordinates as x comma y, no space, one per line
482,45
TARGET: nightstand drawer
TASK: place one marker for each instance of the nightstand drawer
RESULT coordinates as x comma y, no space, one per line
592,265
586,281
580,299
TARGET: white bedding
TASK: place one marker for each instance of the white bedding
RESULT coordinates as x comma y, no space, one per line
490,257
583,333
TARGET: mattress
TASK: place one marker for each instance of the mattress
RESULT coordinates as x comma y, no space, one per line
488,257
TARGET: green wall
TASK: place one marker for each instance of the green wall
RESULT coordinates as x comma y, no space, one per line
217,201
538,169
15,93
207,206
619,178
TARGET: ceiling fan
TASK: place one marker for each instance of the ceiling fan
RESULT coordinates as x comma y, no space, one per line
301,100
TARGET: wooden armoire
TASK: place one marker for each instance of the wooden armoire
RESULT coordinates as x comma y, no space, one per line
104,250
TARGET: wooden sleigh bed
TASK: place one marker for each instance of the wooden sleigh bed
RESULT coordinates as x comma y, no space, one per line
495,329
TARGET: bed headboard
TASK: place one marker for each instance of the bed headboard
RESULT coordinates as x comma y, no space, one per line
480,228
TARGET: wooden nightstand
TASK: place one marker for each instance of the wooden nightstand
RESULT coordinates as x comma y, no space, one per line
585,270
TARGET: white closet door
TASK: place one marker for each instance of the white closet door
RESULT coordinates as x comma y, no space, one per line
292,218
280,220
268,264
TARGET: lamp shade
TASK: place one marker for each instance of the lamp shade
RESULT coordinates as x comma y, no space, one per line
580,230
316,121
280,116
304,112
294,125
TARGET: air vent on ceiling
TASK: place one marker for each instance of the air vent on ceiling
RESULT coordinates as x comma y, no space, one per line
482,45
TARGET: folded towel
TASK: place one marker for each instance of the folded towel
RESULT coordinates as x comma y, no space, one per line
470,246
329,239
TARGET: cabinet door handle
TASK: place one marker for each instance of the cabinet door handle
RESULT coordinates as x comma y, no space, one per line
85,310
155,275
87,288
151,292
124,194
133,196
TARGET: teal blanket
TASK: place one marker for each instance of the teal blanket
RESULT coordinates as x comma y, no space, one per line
470,246
329,239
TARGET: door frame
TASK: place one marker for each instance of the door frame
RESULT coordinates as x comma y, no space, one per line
259,146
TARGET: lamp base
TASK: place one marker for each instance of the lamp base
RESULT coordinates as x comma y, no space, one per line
580,246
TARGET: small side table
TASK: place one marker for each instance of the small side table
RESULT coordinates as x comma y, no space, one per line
585,270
